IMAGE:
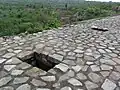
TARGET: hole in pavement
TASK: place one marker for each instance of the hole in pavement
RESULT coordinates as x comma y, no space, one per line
41,61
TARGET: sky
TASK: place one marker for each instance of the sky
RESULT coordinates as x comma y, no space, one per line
105,0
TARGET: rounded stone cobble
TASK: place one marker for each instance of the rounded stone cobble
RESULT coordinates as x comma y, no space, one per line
86,59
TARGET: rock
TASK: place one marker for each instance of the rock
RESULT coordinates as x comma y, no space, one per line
25,55
89,58
48,78
90,85
117,68
101,51
42,89
52,71
24,87
81,76
69,62
5,80
117,60
77,68
71,73
20,80
78,51
115,75
33,72
74,82
63,77
62,67
95,68
57,57
7,88
37,83
3,73
89,63
106,67
56,85
94,77
9,67
66,88
16,72
108,85
2,60
17,38
17,51
85,68
13,61
105,73
9,55
107,61
39,46
24,66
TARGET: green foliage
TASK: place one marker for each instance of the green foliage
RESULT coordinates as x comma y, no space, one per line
90,10
16,18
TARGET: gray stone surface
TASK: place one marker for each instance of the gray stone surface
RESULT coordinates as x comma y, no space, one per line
9,67
108,85
94,77
84,59
7,88
36,82
62,67
24,87
8,55
66,88
81,76
17,72
74,82
43,89
13,61
77,68
90,85
5,80
20,80
48,78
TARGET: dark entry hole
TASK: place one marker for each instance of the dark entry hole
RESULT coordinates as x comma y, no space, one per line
42,61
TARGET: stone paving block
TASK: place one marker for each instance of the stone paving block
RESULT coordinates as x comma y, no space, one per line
36,82
20,80
66,88
13,61
74,82
108,85
90,85
9,67
5,80
9,55
57,57
24,87
7,88
62,67
48,78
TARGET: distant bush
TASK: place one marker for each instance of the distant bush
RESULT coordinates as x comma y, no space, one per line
32,18
16,19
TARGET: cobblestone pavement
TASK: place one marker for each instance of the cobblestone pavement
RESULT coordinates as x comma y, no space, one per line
88,59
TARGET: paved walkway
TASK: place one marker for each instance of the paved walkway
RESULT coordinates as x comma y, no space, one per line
88,59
